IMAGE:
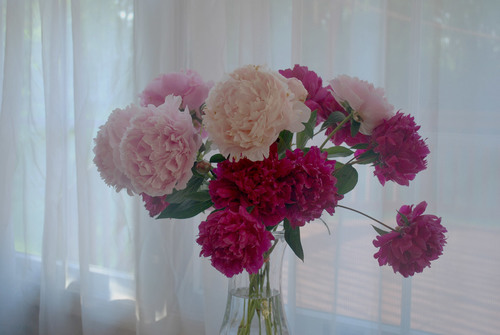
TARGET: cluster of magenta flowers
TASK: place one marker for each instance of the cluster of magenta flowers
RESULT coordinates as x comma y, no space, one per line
239,149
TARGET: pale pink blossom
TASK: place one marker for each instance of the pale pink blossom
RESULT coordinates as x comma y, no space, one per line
159,148
106,149
188,84
368,102
246,111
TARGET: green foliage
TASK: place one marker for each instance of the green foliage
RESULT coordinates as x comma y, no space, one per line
185,209
284,142
292,237
347,177
360,146
380,231
338,151
332,120
192,186
367,157
405,218
308,131
217,158
354,127
188,202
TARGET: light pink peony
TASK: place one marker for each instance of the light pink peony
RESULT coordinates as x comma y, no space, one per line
234,241
159,148
106,149
187,84
247,110
415,243
369,103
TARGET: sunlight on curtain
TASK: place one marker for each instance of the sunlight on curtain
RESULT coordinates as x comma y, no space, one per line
77,257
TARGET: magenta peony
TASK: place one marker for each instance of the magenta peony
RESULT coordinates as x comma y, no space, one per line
187,84
401,150
312,186
259,185
107,148
154,205
369,103
319,98
418,240
234,240
247,110
159,148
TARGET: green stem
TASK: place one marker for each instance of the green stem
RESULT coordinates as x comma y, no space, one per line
344,121
368,216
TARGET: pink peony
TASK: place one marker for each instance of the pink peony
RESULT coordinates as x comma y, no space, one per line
369,103
247,110
159,148
401,150
188,85
106,149
154,205
319,98
313,186
259,185
415,244
234,240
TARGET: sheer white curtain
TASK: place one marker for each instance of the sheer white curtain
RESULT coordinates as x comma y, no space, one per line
78,258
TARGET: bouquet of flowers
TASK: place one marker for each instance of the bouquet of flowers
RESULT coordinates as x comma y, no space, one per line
240,149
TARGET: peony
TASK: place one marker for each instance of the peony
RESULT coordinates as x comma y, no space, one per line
234,240
369,103
106,149
187,84
154,205
313,186
318,98
247,110
401,150
418,240
260,185
159,148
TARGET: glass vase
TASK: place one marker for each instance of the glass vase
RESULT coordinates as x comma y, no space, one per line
254,301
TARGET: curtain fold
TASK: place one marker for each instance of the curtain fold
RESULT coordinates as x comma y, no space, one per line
77,257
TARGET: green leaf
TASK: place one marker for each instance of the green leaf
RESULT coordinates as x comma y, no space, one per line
380,231
292,237
308,131
354,127
192,186
338,151
333,119
404,217
301,140
360,146
184,210
311,124
367,157
347,178
200,196
207,146
284,142
217,158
